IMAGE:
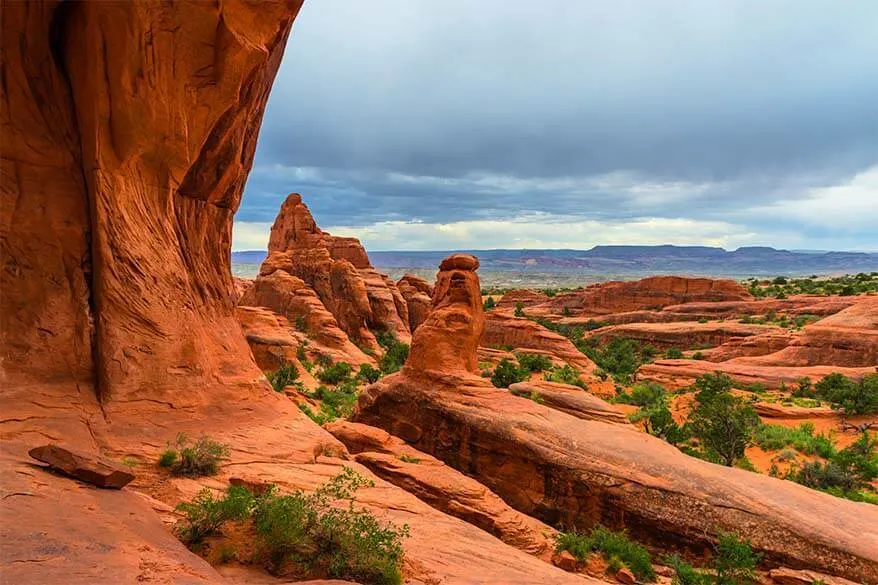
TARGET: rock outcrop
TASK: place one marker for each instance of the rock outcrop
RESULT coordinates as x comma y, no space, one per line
94,470
417,293
574,472
443,487
683,335
505,330
570,399
649,293
338,269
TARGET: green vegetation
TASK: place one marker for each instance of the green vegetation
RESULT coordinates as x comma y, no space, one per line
533,362
131,462
620,357
654,411
612,545
489,304
848,473
369,374
674,353
723,424
285,376
409,459
335,402
519,310
801,438
335,373
565,374
850,396
195,460
734,563
395,352
321,533
782,287
206,514
507,373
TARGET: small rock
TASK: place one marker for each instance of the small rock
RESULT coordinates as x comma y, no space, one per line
625,576
85,467
664,571
566,561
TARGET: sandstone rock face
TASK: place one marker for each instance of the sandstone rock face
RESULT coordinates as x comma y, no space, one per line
570,399
442,487
683,335
450,335
648,293
503,329
338,269
417,294
526,297
575,472
100,472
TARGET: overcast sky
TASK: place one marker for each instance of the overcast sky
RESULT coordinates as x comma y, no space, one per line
444,124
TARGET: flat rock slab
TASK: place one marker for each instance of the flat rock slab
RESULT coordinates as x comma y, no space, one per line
84,467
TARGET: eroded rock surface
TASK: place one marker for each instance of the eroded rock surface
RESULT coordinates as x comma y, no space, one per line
575,472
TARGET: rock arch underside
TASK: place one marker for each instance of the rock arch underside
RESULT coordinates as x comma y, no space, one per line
128,132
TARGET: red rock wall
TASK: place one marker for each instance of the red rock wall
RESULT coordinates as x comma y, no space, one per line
129,129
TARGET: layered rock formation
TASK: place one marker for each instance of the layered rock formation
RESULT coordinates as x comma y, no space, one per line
505,330
649,293
417,293
575,472
338,269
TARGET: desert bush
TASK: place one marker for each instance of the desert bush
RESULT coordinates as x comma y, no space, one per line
395,353
283,377
724,424
335,374
610,544
801,438
335,402
848,395
734,563
565,374
643,394
674,353
507,373
519,310
313,531
369,374
206,514
198,459
489,304
620,357
533,362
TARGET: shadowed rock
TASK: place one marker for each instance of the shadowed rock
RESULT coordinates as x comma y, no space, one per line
88,468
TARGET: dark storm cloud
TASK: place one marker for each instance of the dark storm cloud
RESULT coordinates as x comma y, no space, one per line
415,110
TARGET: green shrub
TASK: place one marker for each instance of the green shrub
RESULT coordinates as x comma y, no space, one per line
335,374
533,362
620,357
610,544
168,458
283,377
643,394
850,396
507,373
395,353
734,563
489,304
313,531
801,438
674,353
206,514
300,352
335,402
409,459
369,374
724,424
201,458
519,310
565,374
703,320
324,360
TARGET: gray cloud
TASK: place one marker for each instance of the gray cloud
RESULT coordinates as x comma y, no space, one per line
456,110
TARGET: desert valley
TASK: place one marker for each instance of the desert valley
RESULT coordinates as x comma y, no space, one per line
164,421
